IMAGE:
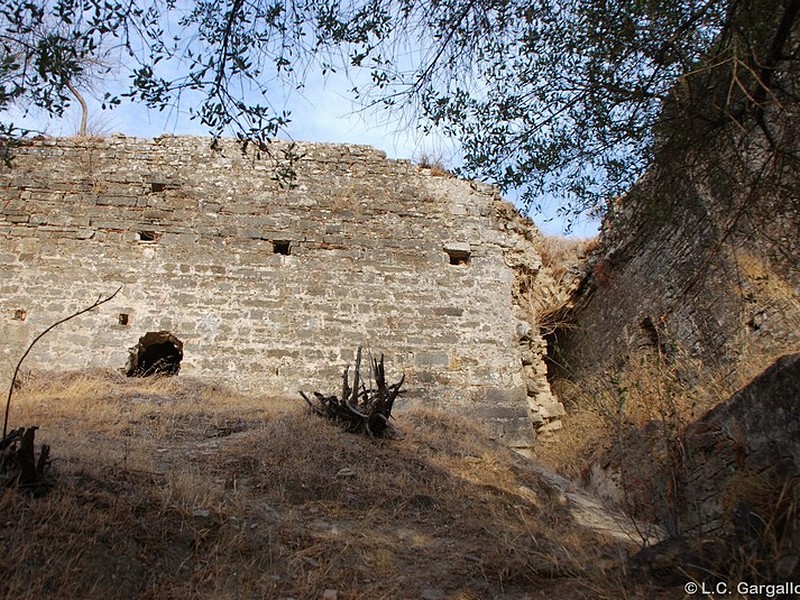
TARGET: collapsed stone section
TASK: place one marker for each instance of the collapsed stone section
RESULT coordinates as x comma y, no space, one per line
531,291
273,286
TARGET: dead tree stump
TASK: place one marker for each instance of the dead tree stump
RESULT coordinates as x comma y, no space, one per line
361,409
18,463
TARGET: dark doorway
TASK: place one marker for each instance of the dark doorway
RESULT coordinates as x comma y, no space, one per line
157,353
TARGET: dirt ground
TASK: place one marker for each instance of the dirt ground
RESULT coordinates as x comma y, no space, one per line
168,488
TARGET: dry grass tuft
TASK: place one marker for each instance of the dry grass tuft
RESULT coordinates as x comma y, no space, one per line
627,427
766,511
168,488
627,434
560,253
632,417
436,163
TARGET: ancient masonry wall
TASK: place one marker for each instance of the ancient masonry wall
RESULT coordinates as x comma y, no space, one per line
687,277
270,288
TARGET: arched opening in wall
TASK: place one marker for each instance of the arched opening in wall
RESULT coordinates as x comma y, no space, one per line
157,353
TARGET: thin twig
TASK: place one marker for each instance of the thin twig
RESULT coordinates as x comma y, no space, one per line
100,300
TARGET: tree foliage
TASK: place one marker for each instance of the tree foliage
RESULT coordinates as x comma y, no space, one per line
45,50
574,98
570,98
167,50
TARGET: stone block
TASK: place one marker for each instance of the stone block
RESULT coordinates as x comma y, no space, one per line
109,200
449,311
533,387
432,359
551,410
110,224
515,397
459,247
551,427
22,232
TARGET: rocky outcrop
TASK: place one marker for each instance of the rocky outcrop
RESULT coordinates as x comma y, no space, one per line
699,259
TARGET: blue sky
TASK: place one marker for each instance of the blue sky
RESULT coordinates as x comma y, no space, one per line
320,112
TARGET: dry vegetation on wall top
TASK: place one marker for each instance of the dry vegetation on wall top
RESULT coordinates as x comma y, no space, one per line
560,254
165,488
435,163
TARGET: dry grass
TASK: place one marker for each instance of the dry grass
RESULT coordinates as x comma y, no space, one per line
625,440
651,394
603,407
634,420
436,163
547,295
768,526
560,253
168,488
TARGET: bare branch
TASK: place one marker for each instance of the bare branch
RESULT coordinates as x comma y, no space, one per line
100,300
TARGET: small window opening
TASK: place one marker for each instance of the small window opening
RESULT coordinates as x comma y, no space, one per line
281,247
158,187
20,314
157,353
459,257
123,318
148,236
652,336
650,331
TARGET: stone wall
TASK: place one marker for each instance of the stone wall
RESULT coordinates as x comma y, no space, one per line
697,262
747,443
269,287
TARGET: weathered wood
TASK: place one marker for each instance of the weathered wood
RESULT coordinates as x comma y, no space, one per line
18,463
26,457
361,409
